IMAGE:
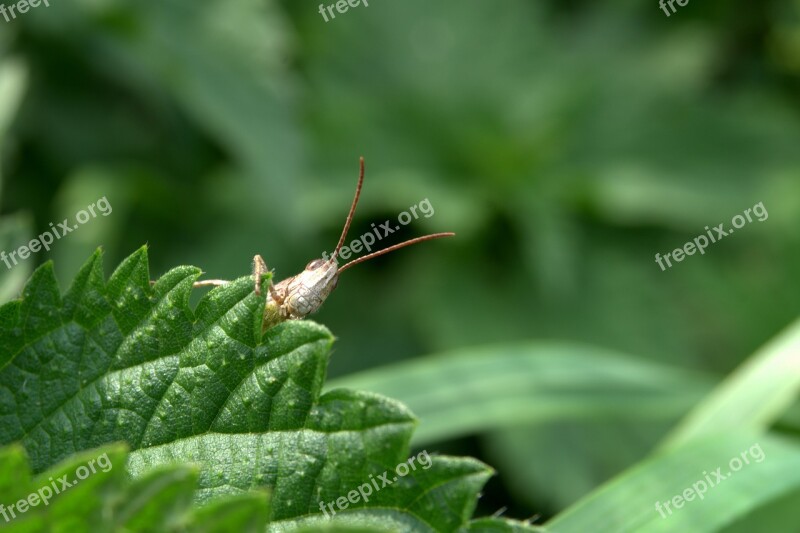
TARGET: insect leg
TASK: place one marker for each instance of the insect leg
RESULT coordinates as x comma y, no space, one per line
260,268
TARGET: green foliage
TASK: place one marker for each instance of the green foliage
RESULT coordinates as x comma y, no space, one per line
565,142
533,391
108,500
123,361
628,503
507,386
15,231
752,398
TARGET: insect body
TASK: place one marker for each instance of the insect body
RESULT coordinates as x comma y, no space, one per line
300,295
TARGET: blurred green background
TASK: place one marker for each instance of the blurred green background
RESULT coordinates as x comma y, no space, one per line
565,142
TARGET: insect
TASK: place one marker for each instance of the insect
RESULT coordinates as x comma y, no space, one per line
298,296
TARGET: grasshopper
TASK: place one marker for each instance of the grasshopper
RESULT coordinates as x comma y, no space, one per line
298,296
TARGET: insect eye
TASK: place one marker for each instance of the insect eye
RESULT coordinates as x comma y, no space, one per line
315,264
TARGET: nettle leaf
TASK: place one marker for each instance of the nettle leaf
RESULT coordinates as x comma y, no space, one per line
123,361
100,496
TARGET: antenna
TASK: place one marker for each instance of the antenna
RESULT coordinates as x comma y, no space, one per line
349,220
352,210
395,247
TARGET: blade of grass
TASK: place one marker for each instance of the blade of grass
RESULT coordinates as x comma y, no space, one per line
629,502
753,397
481,389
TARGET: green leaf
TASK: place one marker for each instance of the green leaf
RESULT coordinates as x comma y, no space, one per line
15,231
368,524
126,361
13,82
746,404
483,389
780,515
240,512
158,497
14,473
628,503
500,525
100,496
752,397
581,455
80,502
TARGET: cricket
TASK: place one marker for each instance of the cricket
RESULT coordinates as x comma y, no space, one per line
298,296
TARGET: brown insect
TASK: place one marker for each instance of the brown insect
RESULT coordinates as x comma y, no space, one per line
300,295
